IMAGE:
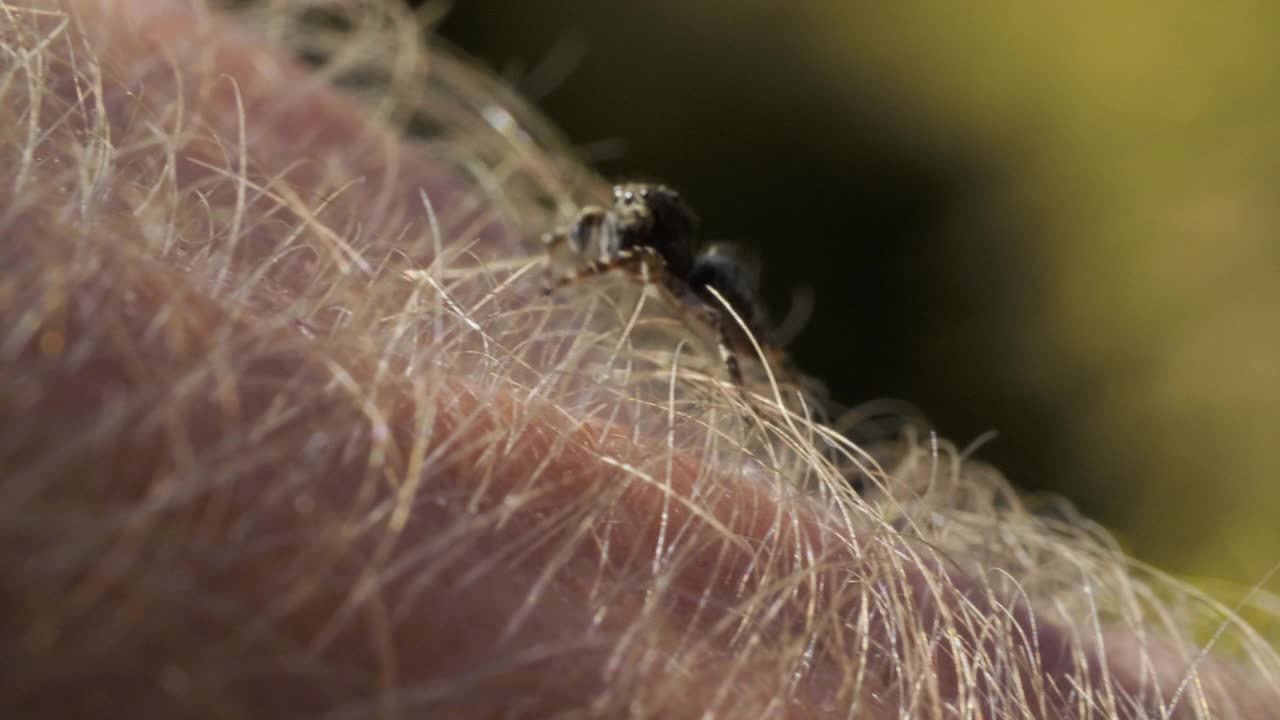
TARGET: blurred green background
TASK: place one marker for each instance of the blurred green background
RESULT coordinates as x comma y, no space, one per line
1056,221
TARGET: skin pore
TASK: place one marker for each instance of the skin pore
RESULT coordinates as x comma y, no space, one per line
291,430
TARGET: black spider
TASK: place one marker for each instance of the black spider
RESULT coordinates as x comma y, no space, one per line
649,231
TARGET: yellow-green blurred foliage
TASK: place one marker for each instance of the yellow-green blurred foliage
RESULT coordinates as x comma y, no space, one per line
1141,142
1147,136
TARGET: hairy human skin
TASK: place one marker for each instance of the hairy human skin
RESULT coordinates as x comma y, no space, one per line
291,431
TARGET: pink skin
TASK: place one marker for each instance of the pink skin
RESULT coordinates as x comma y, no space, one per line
457,624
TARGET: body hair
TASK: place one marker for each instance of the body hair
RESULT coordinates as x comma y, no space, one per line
290,429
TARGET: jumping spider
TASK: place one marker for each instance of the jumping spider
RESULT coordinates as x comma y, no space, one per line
649,232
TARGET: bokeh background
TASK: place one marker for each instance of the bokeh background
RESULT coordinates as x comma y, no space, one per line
1060,222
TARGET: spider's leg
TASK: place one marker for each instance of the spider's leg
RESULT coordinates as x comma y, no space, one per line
654,271
699,317
646,264
642,262
725,346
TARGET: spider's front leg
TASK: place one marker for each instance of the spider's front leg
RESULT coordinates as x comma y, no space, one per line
724,325
641,262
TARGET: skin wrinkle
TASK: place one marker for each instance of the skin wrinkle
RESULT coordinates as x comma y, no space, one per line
342,612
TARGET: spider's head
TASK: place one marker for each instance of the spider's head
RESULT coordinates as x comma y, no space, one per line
655,216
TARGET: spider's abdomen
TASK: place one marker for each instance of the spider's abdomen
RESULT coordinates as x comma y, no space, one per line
721,272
